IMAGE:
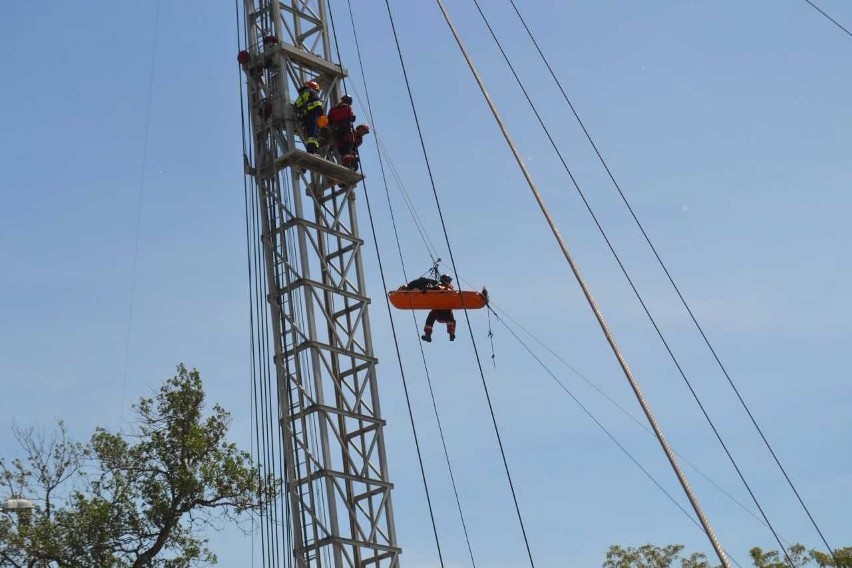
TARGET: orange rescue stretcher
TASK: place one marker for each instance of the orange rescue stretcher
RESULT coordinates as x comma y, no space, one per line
438,299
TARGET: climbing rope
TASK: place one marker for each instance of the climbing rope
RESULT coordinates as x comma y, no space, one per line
491,338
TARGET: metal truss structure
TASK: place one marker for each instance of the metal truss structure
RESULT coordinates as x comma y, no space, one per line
335,465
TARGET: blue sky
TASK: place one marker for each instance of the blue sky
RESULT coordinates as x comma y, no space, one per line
726,123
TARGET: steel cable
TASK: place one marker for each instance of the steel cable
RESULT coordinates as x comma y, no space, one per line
671,279
587,293
390,317
379,148
599,424
455,271
836,23
625,272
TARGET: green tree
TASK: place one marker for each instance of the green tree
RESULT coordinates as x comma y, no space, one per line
843,555
797,553
650,556
131,500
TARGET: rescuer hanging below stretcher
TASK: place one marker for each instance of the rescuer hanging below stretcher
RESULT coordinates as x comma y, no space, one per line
441,316
308,107
440,298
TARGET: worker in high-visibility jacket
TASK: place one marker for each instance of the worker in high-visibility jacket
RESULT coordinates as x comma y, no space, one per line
441,316
308,109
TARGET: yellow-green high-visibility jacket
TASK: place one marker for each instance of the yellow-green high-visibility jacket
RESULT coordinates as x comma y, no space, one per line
306,102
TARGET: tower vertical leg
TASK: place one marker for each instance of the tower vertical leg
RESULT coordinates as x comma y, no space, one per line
338,487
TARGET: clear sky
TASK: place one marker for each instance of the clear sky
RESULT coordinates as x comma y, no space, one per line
726,123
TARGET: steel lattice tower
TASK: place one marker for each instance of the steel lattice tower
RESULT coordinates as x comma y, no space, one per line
335,465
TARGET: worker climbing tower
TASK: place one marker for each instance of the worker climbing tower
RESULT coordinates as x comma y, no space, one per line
335,470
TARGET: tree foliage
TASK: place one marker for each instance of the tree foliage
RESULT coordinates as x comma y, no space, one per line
651,556
131,500
800,557
797,554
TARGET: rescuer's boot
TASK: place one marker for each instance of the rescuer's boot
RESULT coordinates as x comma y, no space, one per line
426,338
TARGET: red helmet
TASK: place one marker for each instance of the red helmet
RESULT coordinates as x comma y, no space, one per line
313,85
362,129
